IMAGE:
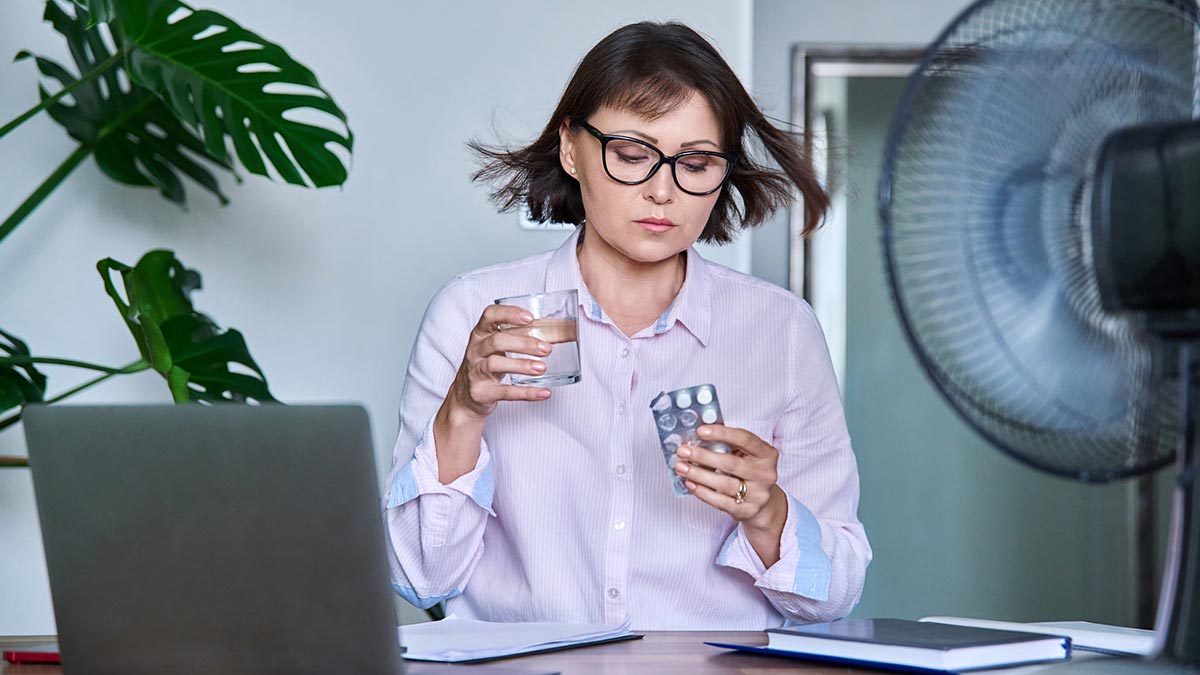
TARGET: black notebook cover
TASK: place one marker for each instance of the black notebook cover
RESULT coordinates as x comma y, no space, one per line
903,633
886,642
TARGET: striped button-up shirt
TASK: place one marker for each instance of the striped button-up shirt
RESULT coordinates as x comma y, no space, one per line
568,515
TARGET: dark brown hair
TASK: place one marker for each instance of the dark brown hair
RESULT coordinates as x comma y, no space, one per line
650,68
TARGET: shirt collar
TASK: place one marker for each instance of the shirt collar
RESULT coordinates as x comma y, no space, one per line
692,307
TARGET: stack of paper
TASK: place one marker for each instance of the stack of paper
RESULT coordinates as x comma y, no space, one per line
456,640
1084,635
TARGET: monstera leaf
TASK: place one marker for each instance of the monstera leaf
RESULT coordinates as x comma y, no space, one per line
195,83
184,346
99,11
20,383
230,83
135,136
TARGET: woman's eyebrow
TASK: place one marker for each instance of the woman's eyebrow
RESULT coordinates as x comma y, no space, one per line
651,139
635,132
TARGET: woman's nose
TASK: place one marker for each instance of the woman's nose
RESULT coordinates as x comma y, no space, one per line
661,187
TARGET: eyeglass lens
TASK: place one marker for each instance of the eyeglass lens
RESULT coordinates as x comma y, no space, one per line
632,162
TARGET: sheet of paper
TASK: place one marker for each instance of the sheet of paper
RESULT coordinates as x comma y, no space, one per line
1084,635
454,639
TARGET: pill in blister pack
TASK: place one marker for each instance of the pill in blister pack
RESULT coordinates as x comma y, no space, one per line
677,415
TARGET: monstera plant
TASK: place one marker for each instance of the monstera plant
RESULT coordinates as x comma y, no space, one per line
161,91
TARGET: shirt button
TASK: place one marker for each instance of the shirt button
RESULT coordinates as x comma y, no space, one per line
613,593
621,409
620,469
624,352
619,525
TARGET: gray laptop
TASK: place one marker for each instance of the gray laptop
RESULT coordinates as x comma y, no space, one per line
226,539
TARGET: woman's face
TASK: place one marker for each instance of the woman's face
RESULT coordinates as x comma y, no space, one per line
655,220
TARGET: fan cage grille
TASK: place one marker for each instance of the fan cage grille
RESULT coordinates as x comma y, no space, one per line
985,208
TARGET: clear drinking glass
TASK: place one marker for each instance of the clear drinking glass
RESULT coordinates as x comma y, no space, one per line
555,320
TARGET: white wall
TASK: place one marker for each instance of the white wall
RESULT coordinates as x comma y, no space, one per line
328,287
781,24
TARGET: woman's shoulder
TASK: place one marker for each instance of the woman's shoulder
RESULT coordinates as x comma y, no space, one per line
516,277
730,285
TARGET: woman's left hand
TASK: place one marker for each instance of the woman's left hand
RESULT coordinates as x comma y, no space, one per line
752,462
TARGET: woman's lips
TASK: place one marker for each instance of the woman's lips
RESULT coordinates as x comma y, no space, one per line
656,224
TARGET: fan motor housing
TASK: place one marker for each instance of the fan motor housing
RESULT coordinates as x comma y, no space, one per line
1146,224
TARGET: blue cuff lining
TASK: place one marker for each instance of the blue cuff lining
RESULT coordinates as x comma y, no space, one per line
723,556
813,570
410,595
404,486
485,489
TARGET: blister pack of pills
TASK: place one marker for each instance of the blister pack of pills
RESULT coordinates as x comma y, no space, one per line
677,416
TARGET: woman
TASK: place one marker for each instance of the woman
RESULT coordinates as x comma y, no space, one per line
522,504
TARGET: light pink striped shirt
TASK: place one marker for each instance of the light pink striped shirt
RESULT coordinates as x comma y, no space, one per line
569,514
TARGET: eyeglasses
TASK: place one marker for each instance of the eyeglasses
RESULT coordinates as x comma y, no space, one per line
631,162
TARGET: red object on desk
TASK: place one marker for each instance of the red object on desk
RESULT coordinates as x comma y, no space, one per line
39,654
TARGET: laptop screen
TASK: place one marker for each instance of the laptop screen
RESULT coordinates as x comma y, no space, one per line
224,538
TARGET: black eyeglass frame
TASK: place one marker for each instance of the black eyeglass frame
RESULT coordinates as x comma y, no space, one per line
662,159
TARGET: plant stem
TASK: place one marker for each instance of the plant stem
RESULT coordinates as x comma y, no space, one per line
54,361
60,174
96,72
9,421
134,367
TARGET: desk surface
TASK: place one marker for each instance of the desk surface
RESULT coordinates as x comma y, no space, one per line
659,653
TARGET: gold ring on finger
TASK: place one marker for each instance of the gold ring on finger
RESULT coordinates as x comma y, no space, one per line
741,493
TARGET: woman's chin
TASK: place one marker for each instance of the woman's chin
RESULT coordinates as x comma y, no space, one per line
650,252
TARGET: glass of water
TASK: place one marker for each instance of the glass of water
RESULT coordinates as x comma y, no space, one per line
555,320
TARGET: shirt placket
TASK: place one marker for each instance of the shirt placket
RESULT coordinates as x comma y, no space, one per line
616,591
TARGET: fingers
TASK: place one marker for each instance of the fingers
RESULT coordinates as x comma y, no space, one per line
761,469
702,476
495,316
723,501
739,438
491,355
505,342
487,338
715,477
512,392
496,367
721,461
486,392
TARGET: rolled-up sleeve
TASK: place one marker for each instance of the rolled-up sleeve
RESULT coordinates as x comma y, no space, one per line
823,549
435,531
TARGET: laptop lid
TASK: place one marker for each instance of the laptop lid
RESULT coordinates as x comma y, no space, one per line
230,539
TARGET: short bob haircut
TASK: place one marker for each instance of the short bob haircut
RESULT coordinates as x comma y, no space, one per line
650,68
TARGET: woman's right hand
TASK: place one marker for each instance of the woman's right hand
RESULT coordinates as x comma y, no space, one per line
478,386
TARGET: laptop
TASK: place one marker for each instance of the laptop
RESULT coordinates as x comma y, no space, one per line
222,539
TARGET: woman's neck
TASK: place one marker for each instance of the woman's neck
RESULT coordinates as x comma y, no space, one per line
633,294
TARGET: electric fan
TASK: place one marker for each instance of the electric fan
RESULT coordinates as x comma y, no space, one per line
1040,202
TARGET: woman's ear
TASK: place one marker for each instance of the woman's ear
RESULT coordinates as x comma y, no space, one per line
566,147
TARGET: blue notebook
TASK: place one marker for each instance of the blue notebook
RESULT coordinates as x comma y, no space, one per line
909,646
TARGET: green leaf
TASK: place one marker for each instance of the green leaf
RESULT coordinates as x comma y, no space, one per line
186,347
231,83
205,354
135,136
19,384
100,11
